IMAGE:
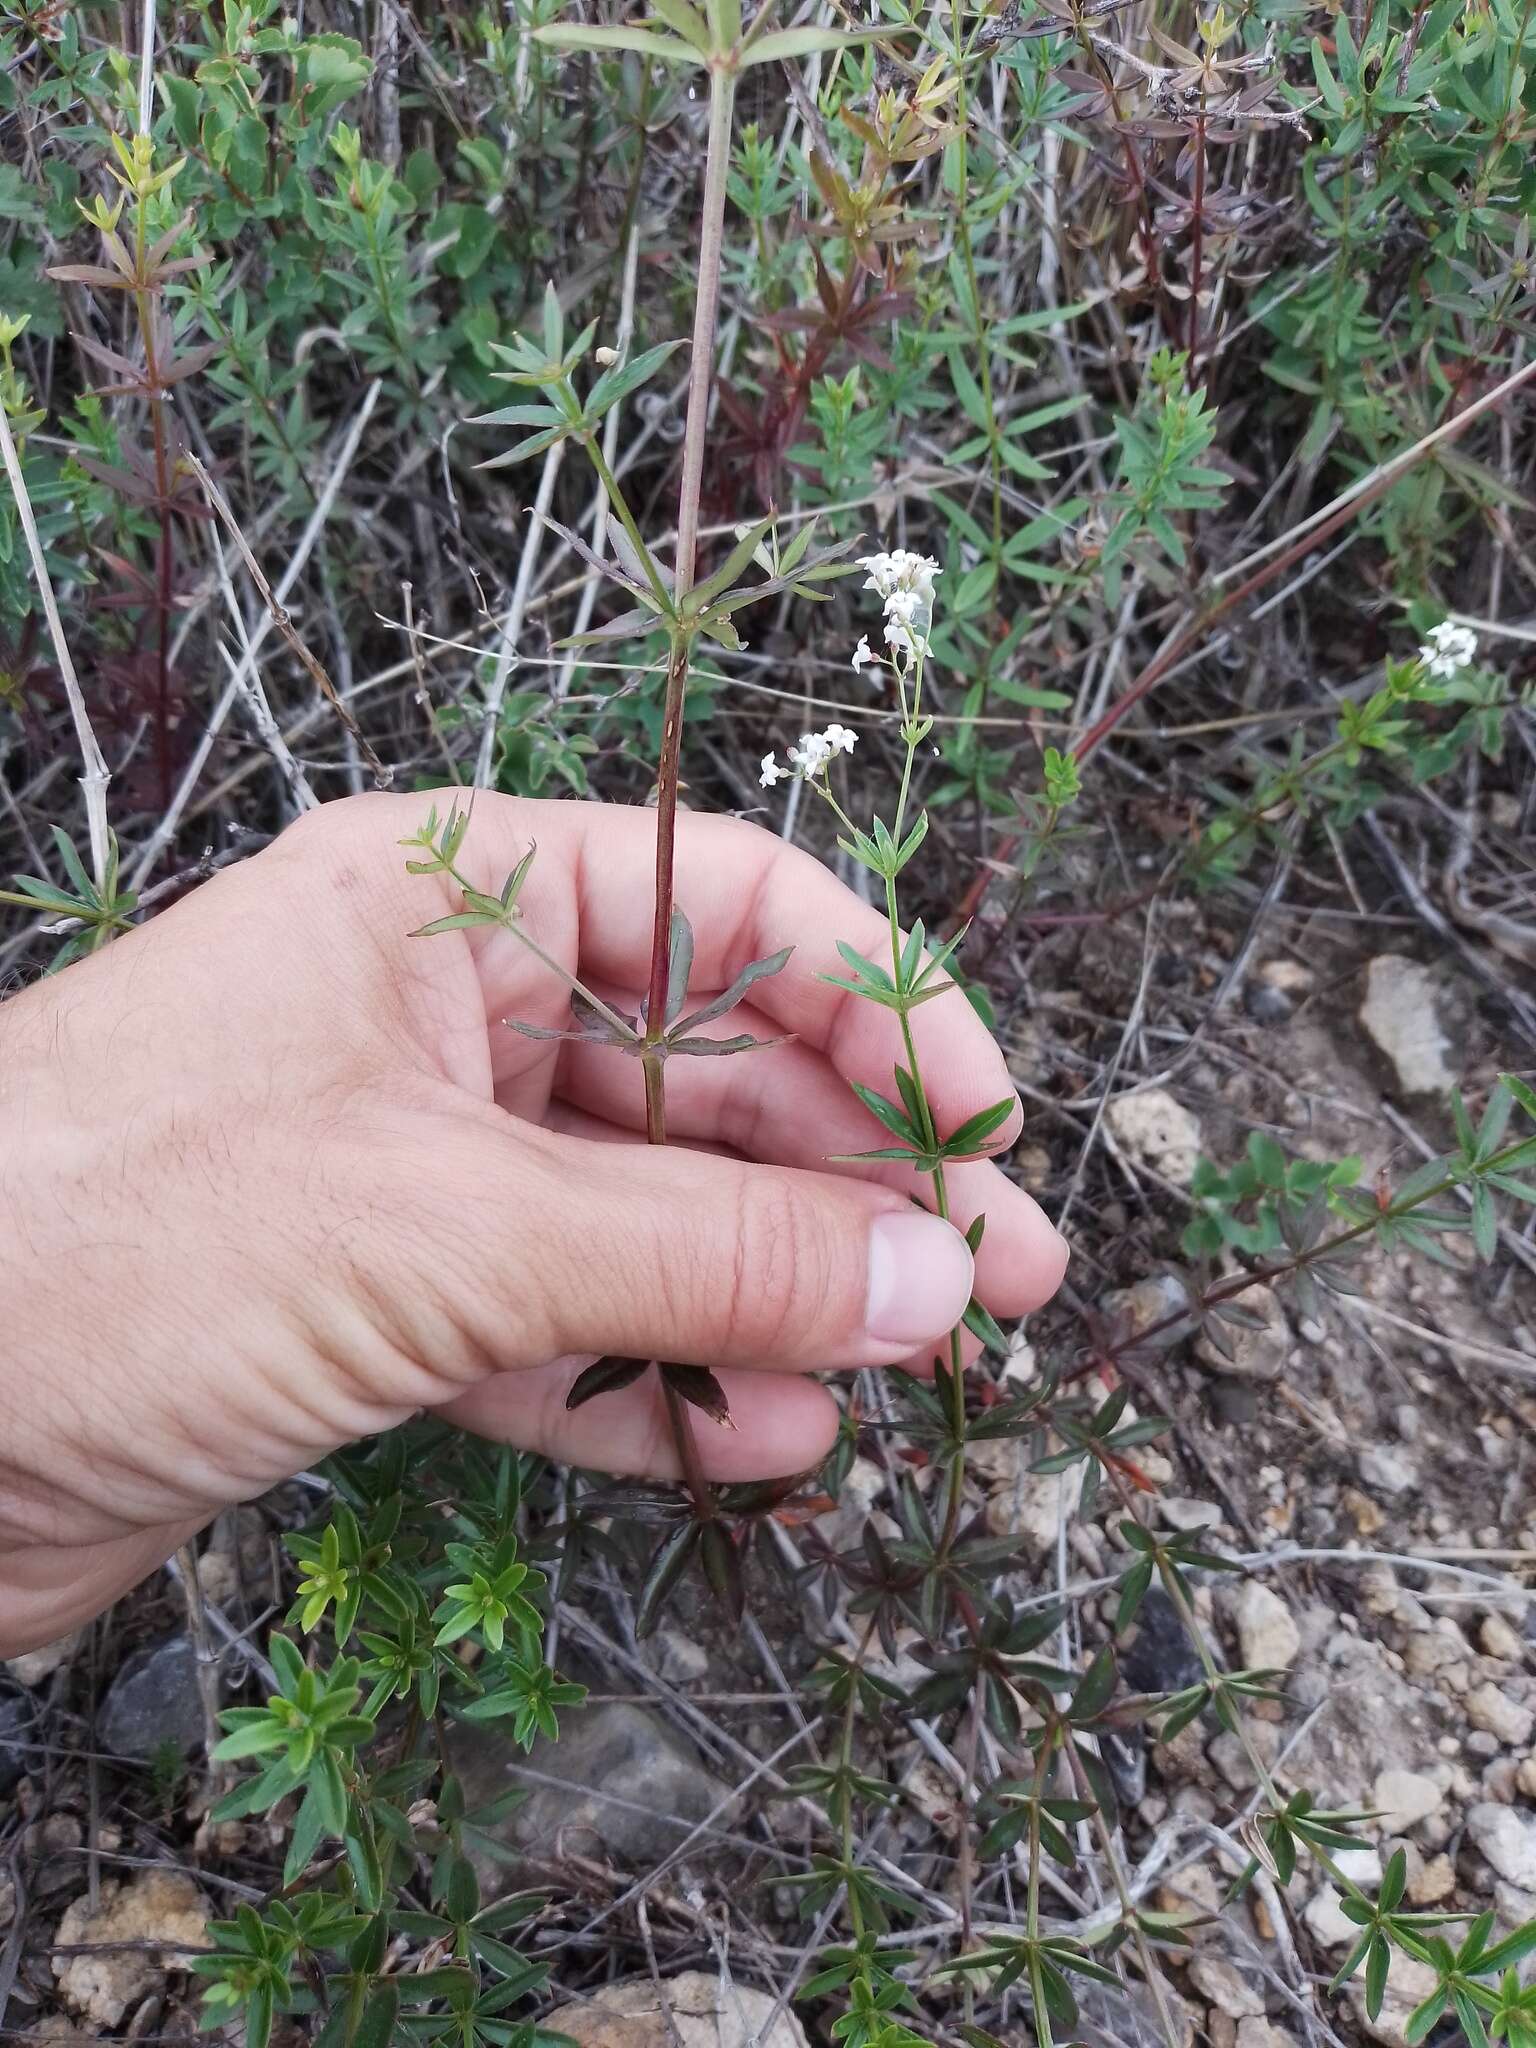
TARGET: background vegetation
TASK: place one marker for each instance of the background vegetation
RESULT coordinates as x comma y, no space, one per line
1195,350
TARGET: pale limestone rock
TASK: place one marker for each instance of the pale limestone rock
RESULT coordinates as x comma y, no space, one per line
1401,1016
1250,1354
1259,2033
1158,1131
1266,1631
1507,1839
1489,1707
1224,1987
1498,1639
1435,1883
1404,1798
161,1907
33,1666
705,2012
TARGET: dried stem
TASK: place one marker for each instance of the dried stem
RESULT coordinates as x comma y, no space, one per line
204,1653
280,618
95,775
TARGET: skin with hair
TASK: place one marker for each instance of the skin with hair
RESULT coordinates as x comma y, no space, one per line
274,1175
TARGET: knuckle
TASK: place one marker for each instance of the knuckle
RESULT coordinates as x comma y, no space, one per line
783,1268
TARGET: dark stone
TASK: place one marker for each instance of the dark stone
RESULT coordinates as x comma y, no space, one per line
629,1789
1233,1403
1266,1005
153,1701
1161,1657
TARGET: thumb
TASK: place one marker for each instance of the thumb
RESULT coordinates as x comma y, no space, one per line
659,1252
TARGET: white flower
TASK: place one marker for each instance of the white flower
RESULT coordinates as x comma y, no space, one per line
812,755
840,739
1449,649
904,641
903,605
771,774
864,654
901,570
605,358
882,573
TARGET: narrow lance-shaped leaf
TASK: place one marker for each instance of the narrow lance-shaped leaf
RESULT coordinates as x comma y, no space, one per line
785,44
560,35
719,1006
697,1385
607,1376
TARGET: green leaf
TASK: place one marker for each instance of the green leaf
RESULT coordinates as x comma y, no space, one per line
561,35
895,1120
377,2027
785,44
1485,1224
721,1005
686,21
981,1323
970,1136
1377,1962
1093,1693
617,383
1268,1159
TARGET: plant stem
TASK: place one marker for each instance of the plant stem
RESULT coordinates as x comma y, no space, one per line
512,922
626,518
911,728
94,773
722,100
154,390
1260,1276
1197,244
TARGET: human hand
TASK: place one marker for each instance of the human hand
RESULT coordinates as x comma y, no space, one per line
275,1175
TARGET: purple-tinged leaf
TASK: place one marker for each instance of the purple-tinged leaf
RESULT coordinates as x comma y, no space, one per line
718,1006
713,1048
697,1385
722,1568
607,1376
679,964
668,1563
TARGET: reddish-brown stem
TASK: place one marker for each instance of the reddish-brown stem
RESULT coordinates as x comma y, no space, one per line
1143,212
1197,246
667,773
722,99
1133,164
681,1425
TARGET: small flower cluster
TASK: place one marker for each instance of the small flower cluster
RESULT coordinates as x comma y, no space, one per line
811,758
904,583
1449,649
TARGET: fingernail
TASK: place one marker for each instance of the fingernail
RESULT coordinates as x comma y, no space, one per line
920,1276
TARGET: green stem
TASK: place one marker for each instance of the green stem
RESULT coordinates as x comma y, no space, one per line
1041,2012
512,922
626,518
911,730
